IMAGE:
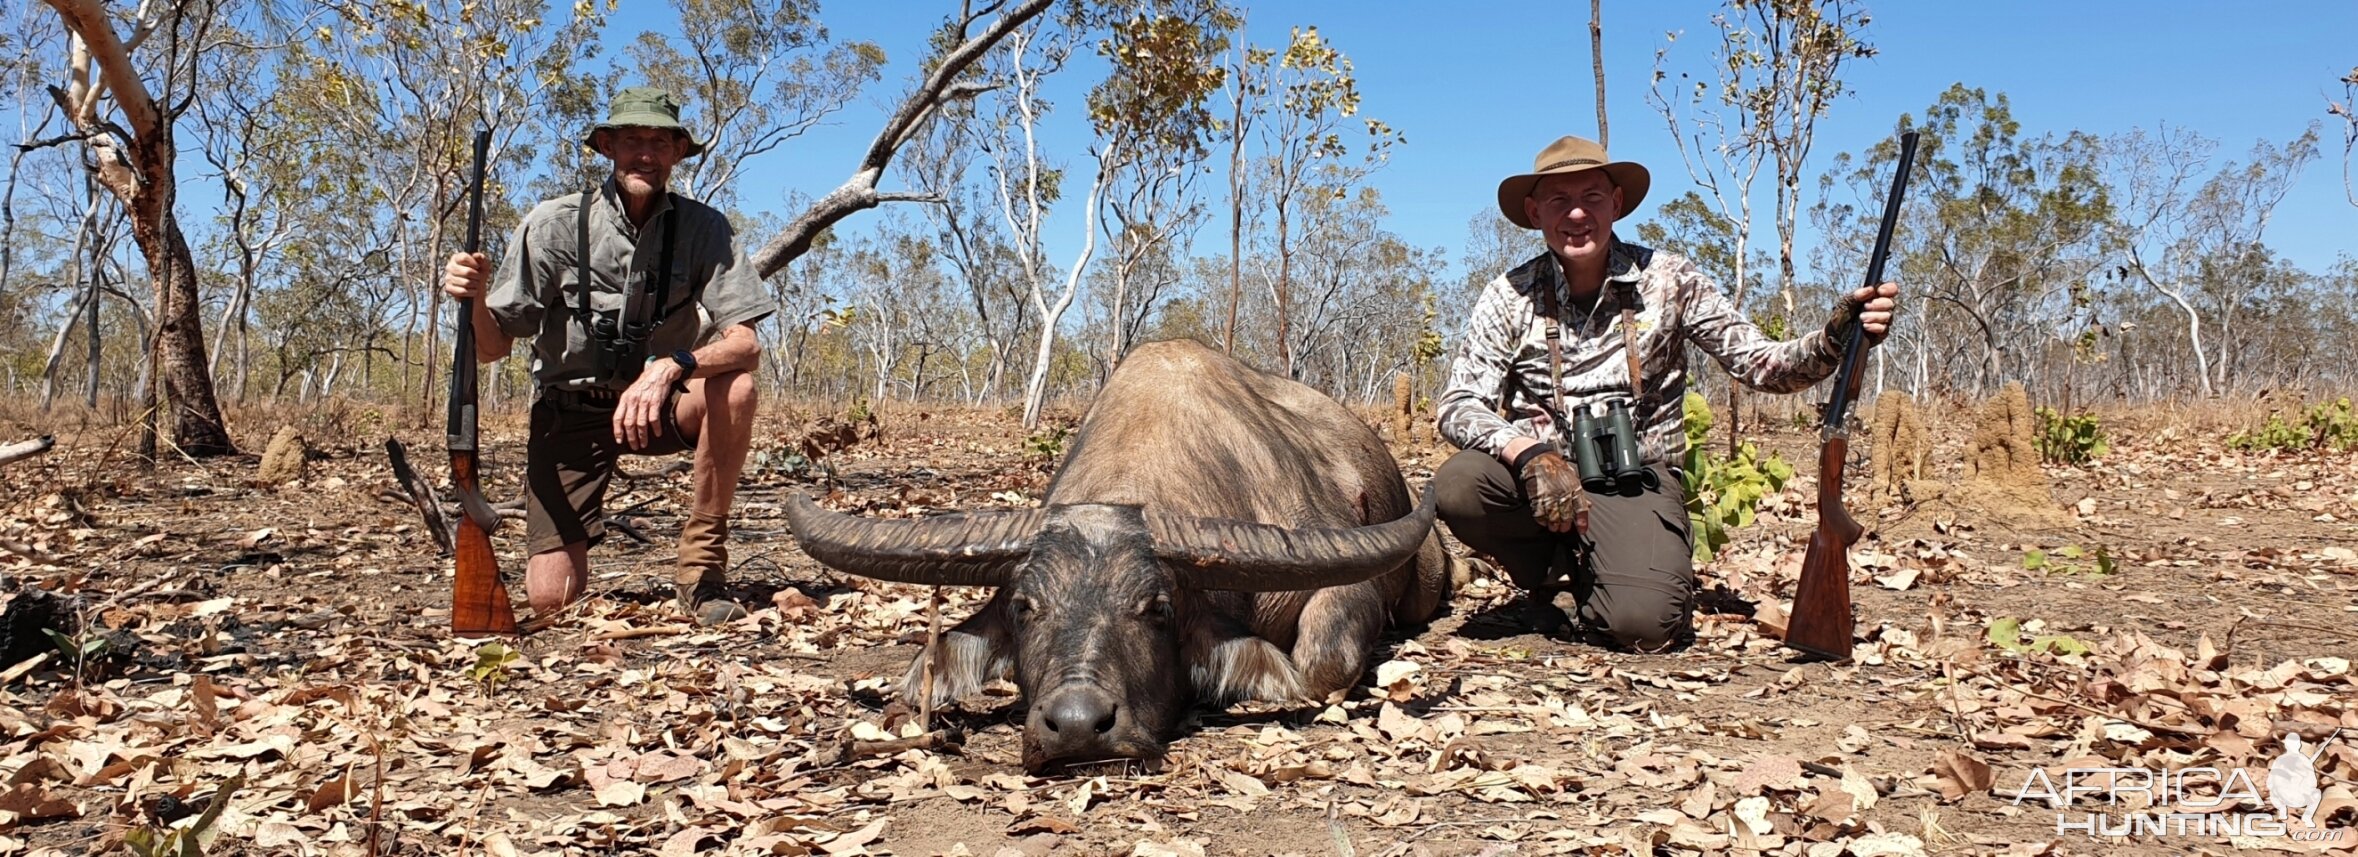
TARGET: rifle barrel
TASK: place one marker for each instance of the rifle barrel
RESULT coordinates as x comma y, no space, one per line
462,360
1854,345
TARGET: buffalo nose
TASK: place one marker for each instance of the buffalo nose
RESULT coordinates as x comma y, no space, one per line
1079,714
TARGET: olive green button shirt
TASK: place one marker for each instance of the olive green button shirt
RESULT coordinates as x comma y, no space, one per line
534,294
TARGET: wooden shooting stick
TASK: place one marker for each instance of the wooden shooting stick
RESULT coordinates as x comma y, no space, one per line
1822,624
479,604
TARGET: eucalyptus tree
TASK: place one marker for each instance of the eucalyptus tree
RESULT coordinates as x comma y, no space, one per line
1028,185
757,73
124,92
1999,228
2188,237
1304,155
406,84
1776,70
1368,300
960,42
1153,113
973,241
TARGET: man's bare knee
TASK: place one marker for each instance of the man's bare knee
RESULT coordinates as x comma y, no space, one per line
739,393
555,578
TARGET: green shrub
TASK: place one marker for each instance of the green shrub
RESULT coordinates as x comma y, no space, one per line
2076,439
2326,426
1723,493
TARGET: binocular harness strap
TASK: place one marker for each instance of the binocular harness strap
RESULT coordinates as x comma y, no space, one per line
1629,344
581,270
1555,354
1637,388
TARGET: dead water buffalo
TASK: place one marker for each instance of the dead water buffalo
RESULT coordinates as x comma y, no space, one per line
1215,533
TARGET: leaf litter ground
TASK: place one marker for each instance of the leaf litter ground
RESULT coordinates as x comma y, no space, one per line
2203,604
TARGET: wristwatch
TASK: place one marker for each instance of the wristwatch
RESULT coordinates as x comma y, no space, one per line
687,361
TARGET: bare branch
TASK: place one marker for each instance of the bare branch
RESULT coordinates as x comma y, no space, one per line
59,140
859,192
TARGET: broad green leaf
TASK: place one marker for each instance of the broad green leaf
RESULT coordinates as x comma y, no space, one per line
2006,633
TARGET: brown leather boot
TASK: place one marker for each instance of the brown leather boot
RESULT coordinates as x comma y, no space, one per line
702,577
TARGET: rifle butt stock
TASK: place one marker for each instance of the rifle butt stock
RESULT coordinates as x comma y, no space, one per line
479,605
1822,623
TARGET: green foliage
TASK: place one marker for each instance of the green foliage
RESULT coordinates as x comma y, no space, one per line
2016,216
779,461
2327,426
2067,560
83,650
1043,447
491,664
2076,439
79,648
1158,94
2006,633
1723,494
188,841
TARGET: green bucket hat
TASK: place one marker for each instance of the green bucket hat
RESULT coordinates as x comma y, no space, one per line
644,107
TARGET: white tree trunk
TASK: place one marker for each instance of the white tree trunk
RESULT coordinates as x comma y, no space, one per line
1036,391
2202,361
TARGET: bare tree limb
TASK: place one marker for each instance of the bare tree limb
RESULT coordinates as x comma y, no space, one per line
26,449
421,495
59,140
859,192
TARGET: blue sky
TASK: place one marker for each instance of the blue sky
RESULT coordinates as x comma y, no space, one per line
1478,88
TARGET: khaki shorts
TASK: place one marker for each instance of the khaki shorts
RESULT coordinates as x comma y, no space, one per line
570,457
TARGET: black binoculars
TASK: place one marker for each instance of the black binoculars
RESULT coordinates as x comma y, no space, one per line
619,345
1605,447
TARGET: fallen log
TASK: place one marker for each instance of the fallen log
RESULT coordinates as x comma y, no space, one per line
26,448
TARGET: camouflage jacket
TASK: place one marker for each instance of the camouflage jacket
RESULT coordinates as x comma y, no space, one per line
1502,361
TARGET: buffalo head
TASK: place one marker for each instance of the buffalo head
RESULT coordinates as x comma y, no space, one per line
1094,598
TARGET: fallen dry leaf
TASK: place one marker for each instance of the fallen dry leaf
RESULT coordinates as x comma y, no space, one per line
1960,774
621,793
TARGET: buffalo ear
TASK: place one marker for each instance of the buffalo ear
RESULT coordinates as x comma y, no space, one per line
965,549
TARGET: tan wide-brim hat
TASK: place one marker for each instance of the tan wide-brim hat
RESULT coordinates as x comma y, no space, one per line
1571,155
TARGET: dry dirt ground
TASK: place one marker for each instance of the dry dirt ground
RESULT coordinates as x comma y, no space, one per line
279,654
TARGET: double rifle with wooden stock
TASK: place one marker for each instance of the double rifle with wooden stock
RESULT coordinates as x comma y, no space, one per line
479,603
1822,624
